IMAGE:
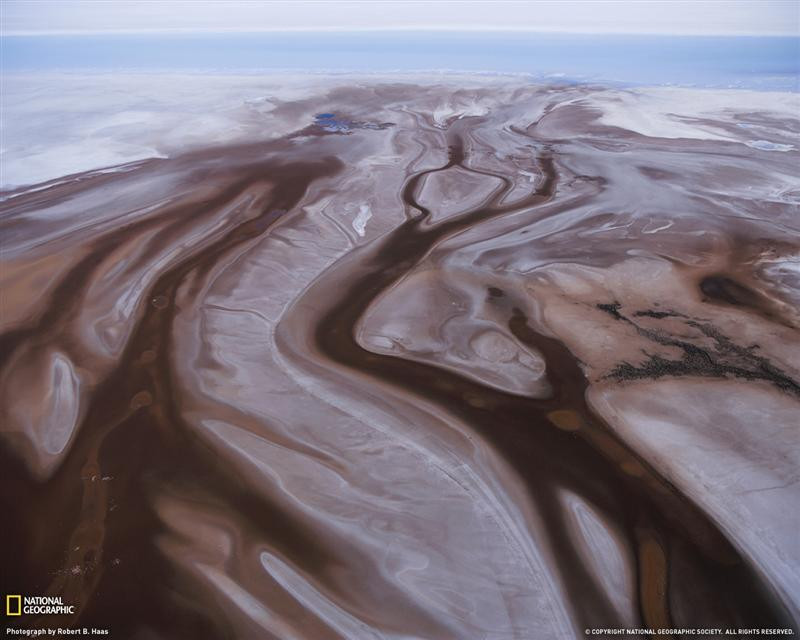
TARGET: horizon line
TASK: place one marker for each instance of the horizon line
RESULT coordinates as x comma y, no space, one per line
421,28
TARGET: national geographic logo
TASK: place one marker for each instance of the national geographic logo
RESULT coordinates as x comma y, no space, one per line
37,606
13,605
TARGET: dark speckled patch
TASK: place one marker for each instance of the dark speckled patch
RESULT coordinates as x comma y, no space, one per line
721,359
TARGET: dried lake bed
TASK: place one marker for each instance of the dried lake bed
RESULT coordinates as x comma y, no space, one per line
400,356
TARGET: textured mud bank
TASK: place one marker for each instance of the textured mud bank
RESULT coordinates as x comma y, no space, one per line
425,362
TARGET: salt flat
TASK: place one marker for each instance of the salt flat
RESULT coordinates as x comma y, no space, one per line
400,356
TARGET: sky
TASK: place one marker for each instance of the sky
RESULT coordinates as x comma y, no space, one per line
717,17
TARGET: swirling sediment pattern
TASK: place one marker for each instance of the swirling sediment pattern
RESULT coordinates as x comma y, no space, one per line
438,363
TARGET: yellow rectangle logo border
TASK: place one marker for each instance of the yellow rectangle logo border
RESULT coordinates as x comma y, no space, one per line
9,600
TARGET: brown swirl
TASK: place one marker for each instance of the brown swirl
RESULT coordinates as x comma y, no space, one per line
403,377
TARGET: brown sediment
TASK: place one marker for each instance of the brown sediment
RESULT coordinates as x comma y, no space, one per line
723,288
610,474
89,525
134,426
653,576
77,579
